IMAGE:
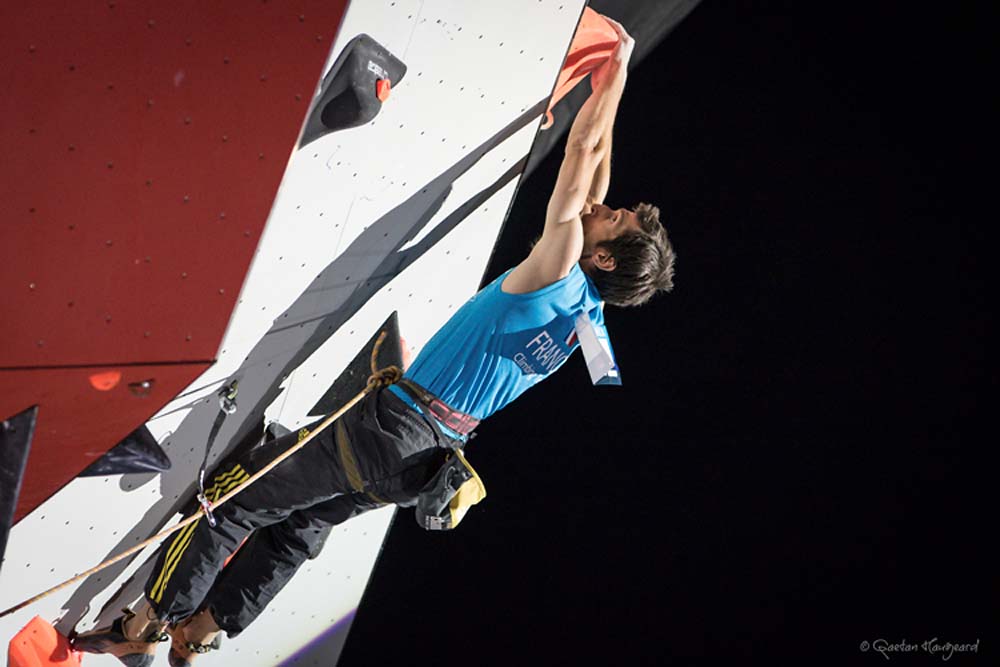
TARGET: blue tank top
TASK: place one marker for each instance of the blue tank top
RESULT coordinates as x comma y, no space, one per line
498,345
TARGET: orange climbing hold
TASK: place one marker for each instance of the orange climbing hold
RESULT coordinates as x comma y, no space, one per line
38,644
594,42
105,381
382,89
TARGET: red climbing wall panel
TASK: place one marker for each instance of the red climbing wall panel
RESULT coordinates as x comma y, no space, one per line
143,148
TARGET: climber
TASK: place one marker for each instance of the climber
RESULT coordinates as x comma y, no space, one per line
511,335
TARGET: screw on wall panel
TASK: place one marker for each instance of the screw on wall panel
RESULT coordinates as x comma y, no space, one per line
246,233
111,86
184,274
41,343
222,291
260,156
146,334
72,68
188,41
109,243
151,23
31,210
186,199
69,305
225,138
225,61
222,215
72,147
319,38
31,285
31,48
302,18
188,338
111,165
298,97
263,77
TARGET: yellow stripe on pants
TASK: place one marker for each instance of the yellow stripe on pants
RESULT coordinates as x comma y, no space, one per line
230,480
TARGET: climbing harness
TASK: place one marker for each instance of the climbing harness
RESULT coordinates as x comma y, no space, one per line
457,421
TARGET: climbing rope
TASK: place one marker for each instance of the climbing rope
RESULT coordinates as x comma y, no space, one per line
379,378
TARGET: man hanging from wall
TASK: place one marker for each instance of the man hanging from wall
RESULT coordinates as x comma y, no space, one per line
395,444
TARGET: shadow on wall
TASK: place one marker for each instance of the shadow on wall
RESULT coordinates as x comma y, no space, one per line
372,260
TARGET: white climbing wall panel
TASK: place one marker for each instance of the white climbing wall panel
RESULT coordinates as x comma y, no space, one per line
473,69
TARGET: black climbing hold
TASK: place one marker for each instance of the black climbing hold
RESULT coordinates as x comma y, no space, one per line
138,452
15,442
355,376
349,95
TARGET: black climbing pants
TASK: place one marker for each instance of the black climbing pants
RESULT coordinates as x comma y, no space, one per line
380,452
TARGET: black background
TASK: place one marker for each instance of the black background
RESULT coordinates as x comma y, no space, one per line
793,465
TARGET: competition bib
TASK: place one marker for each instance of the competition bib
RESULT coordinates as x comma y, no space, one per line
597,352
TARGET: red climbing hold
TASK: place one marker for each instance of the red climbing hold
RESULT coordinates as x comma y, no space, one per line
38,644
105,381
594,42
382,88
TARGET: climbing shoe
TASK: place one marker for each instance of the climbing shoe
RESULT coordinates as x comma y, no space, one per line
130,638
193,636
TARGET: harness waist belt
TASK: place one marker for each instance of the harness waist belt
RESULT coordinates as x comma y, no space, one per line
459,422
